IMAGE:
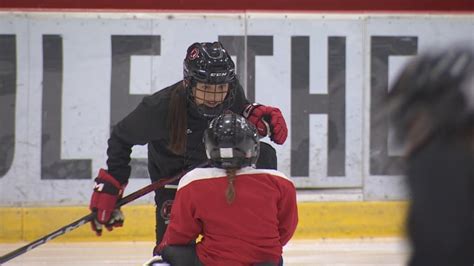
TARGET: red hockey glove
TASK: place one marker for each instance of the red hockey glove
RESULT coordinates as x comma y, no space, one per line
261,116
107,191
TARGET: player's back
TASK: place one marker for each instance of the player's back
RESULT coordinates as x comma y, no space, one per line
248,229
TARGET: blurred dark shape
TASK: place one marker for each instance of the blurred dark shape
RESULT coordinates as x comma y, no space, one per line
432,108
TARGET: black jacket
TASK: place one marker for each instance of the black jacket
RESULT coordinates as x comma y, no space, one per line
441,216
147,124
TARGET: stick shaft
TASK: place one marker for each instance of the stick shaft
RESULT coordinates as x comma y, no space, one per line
81,221
46,238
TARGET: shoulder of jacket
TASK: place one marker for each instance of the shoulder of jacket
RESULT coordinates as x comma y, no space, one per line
200,174
160,97
274,173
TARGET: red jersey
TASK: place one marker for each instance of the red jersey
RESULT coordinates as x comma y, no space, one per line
254,228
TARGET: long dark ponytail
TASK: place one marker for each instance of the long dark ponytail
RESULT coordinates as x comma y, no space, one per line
230,191
178,120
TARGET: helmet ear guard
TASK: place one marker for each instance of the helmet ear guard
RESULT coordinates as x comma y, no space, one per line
231,142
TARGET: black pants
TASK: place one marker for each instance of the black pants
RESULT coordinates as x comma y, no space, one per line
181,255
164,196
186,256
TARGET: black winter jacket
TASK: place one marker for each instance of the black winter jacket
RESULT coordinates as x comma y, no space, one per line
441,215
147,124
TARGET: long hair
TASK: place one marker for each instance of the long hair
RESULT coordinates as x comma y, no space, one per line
178,120
230,191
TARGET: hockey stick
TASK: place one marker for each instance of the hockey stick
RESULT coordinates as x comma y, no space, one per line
81,221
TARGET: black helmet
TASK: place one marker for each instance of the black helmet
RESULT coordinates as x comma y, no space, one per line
231,142
209,63
438,86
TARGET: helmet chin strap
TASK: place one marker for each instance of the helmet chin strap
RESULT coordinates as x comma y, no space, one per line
210,112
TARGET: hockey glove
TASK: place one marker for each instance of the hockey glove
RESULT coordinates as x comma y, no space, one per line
261,116
107,191
116,220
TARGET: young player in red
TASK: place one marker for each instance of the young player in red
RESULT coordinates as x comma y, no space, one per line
245,215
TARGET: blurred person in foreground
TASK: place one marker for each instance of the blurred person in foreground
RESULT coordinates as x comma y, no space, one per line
245,215
432,108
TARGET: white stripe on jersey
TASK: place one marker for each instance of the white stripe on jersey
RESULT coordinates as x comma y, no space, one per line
208,173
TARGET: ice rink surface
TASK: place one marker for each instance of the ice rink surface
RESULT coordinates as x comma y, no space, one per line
378,251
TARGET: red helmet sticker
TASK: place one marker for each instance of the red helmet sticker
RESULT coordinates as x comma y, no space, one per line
194,54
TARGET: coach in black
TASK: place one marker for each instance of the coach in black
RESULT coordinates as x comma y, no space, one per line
171,122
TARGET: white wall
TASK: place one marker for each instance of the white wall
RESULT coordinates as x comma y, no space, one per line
86,89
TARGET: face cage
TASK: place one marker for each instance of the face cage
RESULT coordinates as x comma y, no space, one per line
211,112
210,96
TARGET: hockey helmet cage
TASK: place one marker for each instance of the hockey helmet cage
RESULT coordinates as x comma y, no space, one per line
209,63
